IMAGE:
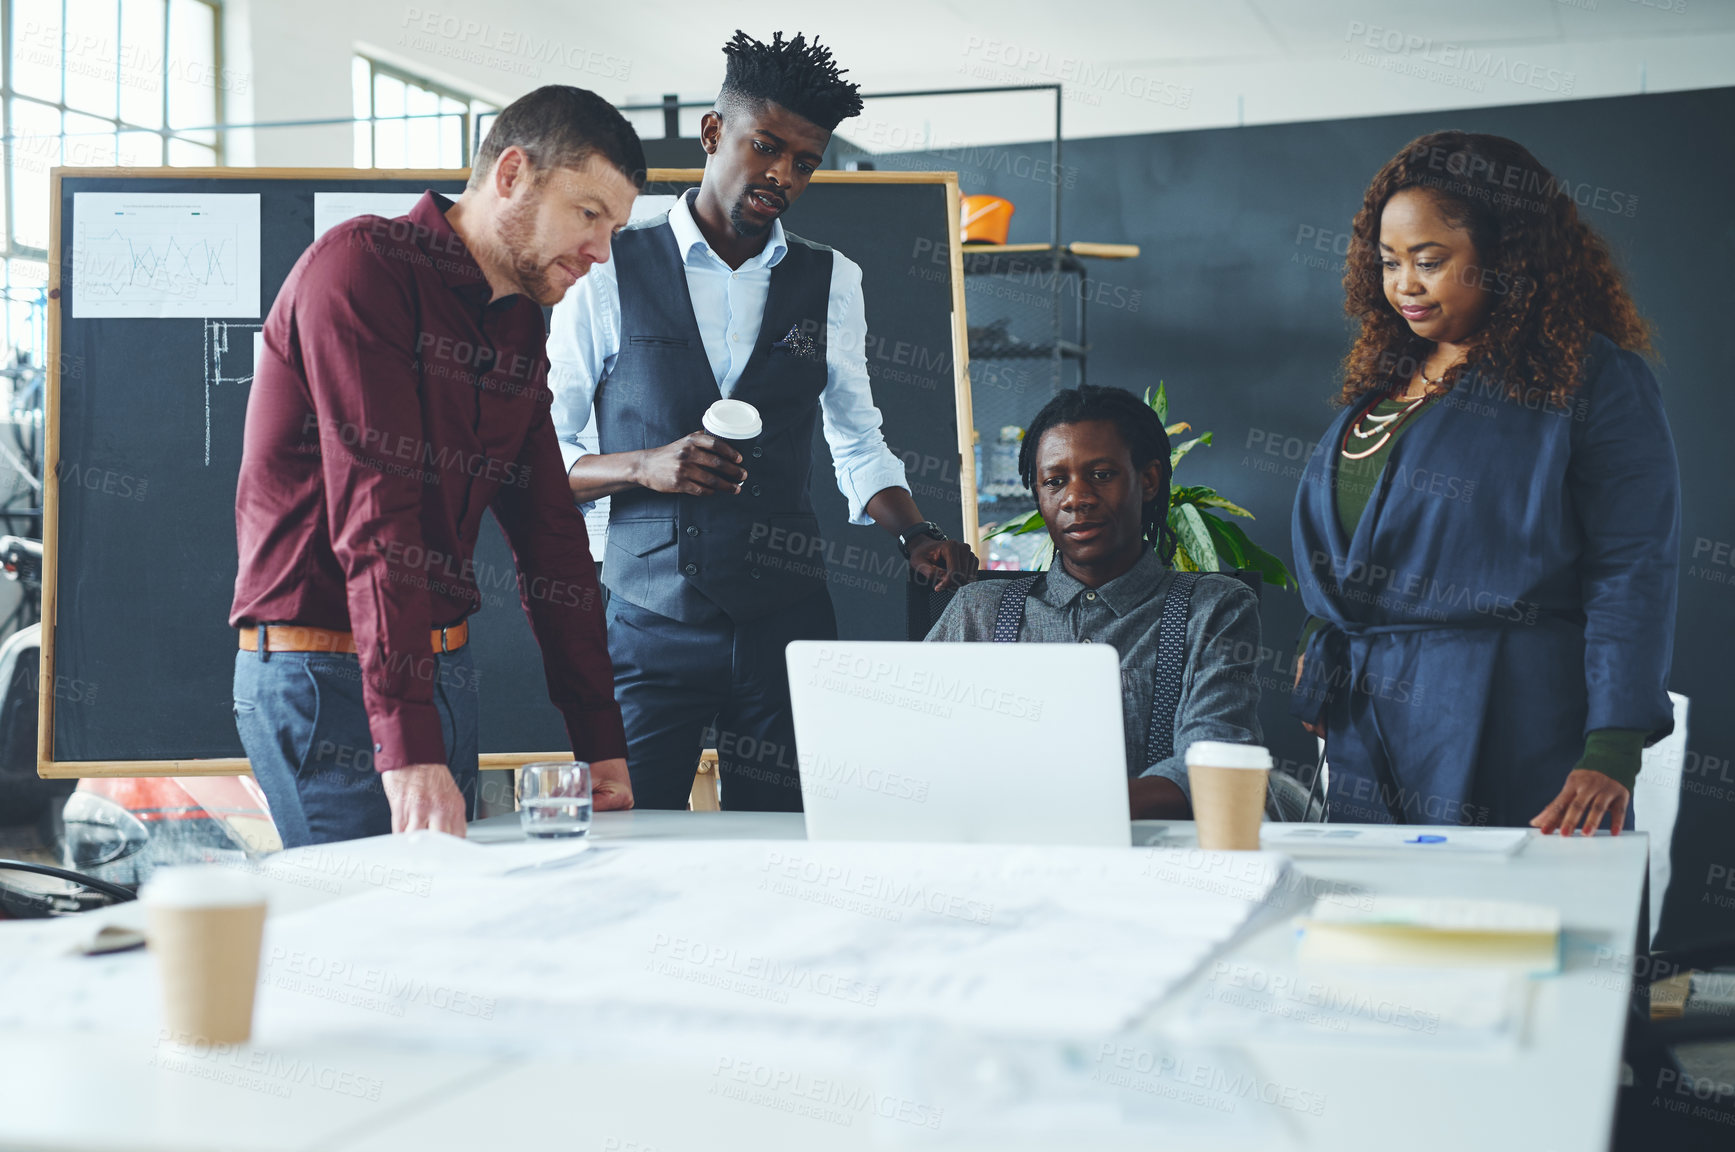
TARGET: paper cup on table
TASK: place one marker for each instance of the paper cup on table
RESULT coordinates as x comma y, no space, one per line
735,422
204,925
1229,783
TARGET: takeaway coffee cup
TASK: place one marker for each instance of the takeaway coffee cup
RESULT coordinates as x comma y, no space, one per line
736,423
1229,782
204,924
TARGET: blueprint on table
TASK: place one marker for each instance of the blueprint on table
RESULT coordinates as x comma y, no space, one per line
1000,939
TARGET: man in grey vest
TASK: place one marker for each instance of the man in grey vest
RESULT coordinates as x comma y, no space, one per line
708,561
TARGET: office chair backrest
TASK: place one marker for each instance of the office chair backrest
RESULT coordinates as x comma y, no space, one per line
1657,801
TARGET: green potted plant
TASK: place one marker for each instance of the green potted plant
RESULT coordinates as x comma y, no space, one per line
1206,542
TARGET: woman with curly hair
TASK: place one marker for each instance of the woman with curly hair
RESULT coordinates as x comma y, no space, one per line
1487,536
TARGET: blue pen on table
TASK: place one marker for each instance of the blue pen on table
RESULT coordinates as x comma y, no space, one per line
1427,838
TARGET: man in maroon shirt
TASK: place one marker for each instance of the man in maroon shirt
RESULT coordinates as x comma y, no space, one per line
402,391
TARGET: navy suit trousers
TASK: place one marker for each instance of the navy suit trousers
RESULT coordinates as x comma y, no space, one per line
684,687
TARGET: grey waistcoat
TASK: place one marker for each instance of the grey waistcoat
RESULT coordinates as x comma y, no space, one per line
686,557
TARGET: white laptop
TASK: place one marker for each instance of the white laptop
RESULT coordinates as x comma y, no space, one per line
973,743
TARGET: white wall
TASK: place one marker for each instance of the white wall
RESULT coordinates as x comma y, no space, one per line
300,54
1131,65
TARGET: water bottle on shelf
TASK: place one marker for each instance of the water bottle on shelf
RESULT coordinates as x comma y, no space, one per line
1003,462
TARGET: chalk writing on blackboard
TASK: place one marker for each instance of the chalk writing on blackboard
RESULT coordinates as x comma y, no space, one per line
217,348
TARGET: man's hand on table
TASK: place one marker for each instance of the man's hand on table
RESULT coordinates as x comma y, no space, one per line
1157,798
425,796
611,789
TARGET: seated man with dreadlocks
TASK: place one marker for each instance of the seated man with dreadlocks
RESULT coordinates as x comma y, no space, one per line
1097,460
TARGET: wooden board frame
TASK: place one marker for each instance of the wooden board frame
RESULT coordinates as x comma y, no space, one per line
49,768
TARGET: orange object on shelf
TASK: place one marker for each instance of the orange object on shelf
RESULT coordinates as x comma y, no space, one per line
987,219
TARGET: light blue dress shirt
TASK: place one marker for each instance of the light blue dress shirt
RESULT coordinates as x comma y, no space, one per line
728,304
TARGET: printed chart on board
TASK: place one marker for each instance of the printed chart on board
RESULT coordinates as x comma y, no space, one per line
159,255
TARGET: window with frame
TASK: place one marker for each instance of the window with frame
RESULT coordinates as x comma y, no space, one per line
96,83
405,121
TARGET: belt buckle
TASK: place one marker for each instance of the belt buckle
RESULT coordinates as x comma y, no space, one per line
443,641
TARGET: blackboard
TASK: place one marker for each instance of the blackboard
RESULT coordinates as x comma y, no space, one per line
145,421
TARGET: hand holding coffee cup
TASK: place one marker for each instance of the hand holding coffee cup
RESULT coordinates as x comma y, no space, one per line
204,925
1229,784
736,423
705,463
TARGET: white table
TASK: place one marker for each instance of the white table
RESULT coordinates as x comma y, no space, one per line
1556,1089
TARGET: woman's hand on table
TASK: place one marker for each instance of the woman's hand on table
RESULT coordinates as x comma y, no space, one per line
1582,803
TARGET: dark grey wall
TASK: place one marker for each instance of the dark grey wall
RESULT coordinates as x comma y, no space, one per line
1237,303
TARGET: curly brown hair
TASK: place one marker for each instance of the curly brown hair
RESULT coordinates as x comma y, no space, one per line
1553,278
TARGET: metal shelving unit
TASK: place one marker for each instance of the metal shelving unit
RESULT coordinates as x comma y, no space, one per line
997,340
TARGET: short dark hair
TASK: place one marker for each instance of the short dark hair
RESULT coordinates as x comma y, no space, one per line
560,126
1138,425
796,74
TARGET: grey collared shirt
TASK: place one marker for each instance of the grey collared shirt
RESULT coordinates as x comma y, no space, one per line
1219,688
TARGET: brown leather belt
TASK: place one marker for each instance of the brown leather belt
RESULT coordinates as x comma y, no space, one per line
298,638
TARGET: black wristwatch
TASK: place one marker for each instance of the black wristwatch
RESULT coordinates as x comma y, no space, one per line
925,528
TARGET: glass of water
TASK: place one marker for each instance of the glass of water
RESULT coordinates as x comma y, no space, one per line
554,798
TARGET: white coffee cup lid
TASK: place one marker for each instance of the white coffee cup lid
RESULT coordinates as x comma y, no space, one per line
201,886
1220,754
733,420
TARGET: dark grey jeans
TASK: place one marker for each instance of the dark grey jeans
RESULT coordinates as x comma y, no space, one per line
302,723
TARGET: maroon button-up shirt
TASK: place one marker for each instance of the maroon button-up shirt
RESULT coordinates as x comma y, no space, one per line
392,405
